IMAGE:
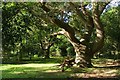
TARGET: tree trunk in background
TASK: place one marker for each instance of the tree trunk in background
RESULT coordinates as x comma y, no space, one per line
19,54
47,53
46,49
20,57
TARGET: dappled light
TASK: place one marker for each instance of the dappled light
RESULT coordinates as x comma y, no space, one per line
54,71
60,40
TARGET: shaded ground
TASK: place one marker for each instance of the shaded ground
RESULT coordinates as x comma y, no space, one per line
103,69
33,60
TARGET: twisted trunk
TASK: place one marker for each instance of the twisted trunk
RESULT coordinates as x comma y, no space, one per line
82,59
84,49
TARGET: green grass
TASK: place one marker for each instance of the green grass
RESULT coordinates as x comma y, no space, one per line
32,71
50,70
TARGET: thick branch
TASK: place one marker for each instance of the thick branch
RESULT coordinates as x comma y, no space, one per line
79,12
65,26
69,31
45,8
82,13
102,7
98,44
60,23
99,7
57,33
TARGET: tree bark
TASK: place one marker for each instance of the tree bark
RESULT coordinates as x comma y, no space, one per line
84,50
82,58
47,54
46,48
99,42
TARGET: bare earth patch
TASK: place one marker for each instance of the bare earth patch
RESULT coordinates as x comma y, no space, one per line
108,69
97,74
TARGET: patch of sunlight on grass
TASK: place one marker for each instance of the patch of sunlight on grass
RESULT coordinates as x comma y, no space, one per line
5,67
8,66
38,65
111,71
51,71
25,70
17,72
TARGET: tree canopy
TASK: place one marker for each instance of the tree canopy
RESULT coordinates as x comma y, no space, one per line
33,27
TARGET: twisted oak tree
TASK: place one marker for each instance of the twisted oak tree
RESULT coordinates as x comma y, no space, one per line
86,46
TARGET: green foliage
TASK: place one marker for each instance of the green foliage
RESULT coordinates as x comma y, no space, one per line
111,22
111,19
15,26
26,27
23,29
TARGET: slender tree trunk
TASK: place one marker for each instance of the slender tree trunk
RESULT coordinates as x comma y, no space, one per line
19,56
30,56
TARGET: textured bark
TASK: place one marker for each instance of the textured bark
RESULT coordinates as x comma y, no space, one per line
98,44
46,48
82,58
84,49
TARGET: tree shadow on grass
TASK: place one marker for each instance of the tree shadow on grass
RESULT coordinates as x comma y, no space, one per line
39,60
52,73
118,66
47,74
60,76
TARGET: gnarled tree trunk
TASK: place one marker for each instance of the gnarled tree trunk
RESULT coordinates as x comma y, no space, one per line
84,49
82,59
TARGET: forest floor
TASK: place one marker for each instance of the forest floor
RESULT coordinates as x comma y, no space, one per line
104,68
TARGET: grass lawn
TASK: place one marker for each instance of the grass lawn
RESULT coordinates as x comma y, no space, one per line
50,70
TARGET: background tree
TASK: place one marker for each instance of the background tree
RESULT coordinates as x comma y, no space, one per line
111,22
14,29
22,30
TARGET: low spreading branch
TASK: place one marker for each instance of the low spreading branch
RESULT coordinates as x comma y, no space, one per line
57,33
68,30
